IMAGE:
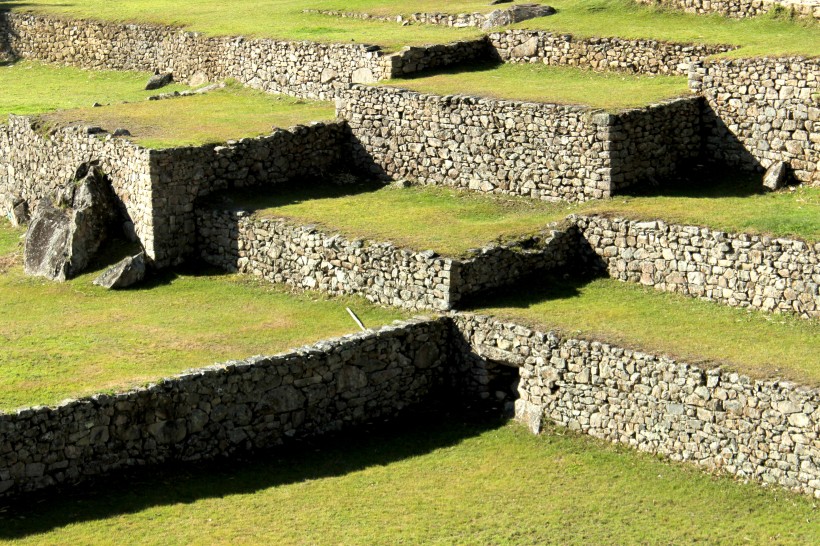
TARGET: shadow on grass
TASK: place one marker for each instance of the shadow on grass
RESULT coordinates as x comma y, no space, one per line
532,290
705,181
414,434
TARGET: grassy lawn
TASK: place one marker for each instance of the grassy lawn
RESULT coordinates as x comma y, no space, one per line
728,203
552,84
218,116
754,343
71,339
34,88
284,19
420,217
432,481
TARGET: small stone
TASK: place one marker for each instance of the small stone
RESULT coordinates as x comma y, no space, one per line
123,274
776,176
120,132
159,80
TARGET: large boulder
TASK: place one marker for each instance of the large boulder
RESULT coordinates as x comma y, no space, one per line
124,273
776,176
516,14
158,81
63,237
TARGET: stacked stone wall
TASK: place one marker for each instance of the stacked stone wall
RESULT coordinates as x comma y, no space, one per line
772,274
237,406
765,431
545,151
762,111
741,8
632,56
283,251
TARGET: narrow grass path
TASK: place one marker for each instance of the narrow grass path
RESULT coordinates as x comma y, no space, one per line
72,339
284,19
750,342
230,113
35,88
549,84
434,481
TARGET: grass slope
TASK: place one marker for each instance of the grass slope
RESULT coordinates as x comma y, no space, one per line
71,339
435,481
551,84
445,220
218,116
753,343
284,19
35,88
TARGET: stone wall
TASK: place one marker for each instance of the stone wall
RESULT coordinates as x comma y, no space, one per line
765,431
741,8
36,163
544,151
780,275
762,111
240,405
633,56
284,251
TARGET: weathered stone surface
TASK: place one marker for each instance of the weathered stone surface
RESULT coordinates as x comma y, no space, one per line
741,8
63,238
776,176
217,411
18,213
516,14
719,420
158,81
127,272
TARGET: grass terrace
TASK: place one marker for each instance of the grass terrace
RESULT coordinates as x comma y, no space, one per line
230,113
633,316
436,480
71,339
767,35
35,88
551,84
452,221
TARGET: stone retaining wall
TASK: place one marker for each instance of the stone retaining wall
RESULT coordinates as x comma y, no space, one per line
766,431
545,151
633,56
741,8
762,111
158,187
240,405
781,275
283,251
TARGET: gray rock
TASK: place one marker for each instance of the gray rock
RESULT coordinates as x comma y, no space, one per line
516,14
124,273
159,80
62,238
130,232
496,2
19,213
776,176
120,132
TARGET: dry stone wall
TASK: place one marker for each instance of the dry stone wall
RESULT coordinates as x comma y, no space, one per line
766,431
780,275
240,405
284,251
632,56
35,163
762,111
544,151
741,8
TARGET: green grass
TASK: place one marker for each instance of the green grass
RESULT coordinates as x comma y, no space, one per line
35,88
218,116
284,19
754,343
71,339
766,35
420,217
433,481
729,203
553,84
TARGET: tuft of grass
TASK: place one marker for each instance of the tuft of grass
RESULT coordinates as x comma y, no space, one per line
218,116
750,342
445,220
767,35
36,88
551,84
438,480
71,339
